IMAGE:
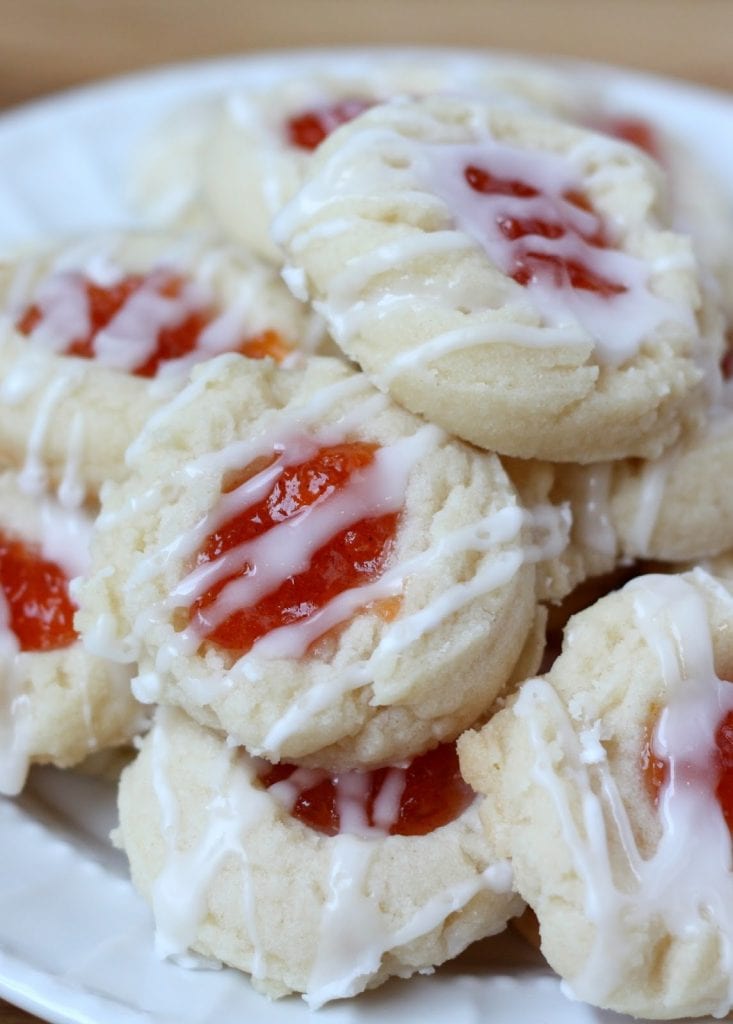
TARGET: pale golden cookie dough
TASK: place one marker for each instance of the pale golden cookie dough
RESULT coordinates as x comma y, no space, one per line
397,265
635,913
376,690
58,706
232,875
68,420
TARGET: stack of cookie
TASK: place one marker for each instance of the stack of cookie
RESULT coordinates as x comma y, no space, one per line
343,512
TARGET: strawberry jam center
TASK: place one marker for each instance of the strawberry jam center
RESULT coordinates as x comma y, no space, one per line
530,263
36,591
719,775
308,129
412,801
172,341
352,557
635,130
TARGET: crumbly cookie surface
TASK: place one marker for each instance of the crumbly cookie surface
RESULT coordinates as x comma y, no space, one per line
629,875
507,275
376,686
230,873
57,706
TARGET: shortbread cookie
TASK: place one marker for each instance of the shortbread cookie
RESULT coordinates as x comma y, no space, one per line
231,873
86,327
608,786
236,161
507,275
301,563
57,703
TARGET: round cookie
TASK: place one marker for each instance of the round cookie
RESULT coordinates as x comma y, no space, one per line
224,865
58,704
235,160
334,666
86,327
606,783
507,275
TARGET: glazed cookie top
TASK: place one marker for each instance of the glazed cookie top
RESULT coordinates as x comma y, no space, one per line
153,304
301,563
236,159
222,846
507,275
613,798
96,334
50,689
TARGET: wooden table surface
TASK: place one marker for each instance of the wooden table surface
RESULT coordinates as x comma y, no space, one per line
46,45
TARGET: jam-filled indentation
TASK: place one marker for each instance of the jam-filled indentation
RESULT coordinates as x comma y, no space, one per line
36,591
412,800
351,557
308,128
635,130
568,220
160,309
716,774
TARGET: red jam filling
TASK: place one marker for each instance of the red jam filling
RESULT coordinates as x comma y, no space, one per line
434,794
172,342
530,265
36,591
308,129
352,557
635,130
656,770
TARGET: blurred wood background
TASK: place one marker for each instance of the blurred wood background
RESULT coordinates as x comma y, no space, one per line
50,44
46,45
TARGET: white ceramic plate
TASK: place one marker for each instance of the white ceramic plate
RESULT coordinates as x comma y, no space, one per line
75,941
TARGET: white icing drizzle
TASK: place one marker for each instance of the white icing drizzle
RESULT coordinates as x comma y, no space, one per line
687,882
131,336
65,536
355,935
351,792
496,331
654,477
287,548
499,528
354,931
592,511
420,172
278,424
180,890
617,324
34,476
651,486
